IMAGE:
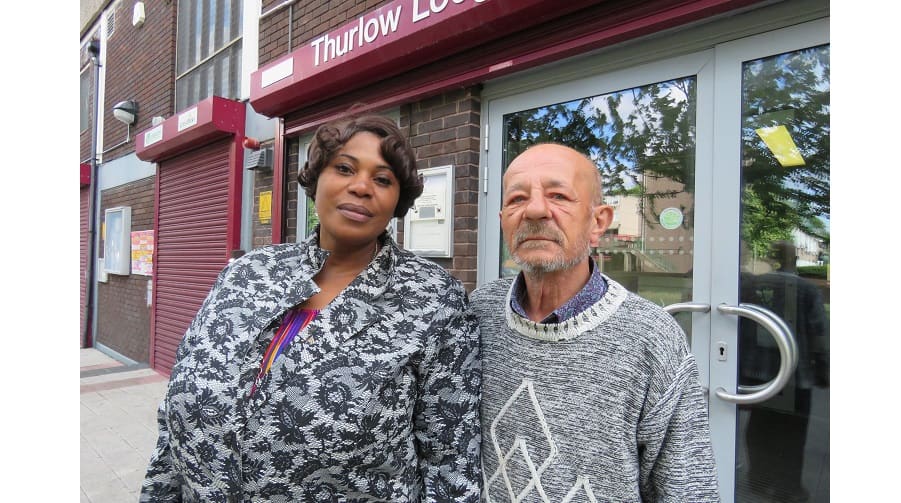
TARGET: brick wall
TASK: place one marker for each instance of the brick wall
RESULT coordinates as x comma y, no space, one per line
140,66
262,182
444,129
292,196
123,318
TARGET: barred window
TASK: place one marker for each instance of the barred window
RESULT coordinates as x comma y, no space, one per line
208,57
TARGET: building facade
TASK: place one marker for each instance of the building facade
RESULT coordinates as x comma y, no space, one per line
708,119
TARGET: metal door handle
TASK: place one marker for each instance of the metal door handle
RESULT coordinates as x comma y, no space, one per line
788,352
691,307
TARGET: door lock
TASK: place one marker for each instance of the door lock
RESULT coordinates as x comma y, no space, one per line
721,351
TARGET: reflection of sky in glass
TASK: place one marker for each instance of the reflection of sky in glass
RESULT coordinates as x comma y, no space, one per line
629,102
802,78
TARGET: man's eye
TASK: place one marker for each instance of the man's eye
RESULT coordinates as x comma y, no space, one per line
558,197
515,200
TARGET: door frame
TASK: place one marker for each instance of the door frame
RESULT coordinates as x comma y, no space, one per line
718,123
724,266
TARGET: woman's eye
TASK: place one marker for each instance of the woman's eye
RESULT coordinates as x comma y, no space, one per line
383,181
343,168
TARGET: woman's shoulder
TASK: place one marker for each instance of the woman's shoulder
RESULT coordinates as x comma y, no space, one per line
410,266
278,251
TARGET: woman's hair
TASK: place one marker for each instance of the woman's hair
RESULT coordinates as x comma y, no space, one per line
395,149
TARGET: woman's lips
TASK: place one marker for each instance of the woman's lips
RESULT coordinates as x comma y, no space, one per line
355,212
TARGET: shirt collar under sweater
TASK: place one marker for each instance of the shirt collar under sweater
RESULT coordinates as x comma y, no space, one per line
589,319
593,290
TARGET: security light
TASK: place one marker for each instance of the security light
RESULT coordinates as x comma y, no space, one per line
126,111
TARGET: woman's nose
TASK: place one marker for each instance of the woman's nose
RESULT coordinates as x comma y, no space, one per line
360,186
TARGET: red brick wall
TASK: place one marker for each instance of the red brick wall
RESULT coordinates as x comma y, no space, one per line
261,232
444,129
123,318
292,196
140,66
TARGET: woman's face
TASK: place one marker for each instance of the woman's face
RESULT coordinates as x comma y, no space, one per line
356,194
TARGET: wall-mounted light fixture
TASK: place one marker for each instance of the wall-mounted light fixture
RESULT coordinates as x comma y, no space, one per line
137,16
126,111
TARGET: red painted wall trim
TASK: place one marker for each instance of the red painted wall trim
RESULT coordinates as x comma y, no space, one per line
156,233
305,76
85,169
278,184
208,120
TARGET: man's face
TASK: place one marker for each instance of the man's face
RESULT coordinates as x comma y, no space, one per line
549,212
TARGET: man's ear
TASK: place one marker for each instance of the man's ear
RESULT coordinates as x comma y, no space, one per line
602,215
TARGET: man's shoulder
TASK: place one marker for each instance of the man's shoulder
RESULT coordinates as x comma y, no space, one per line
493,291
648,324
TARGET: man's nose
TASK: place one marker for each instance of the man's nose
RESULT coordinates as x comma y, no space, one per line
537,208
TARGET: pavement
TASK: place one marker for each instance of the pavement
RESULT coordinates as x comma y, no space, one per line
118,426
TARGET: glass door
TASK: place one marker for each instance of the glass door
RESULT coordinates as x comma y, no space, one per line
773,92
717,165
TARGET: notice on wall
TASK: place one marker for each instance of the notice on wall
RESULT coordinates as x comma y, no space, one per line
142,252
265,212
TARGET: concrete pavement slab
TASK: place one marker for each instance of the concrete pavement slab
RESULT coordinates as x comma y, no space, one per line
118,426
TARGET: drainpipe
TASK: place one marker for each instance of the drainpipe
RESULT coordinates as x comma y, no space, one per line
94,50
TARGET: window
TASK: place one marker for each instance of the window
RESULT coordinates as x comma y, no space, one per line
117,240
84,104
208,59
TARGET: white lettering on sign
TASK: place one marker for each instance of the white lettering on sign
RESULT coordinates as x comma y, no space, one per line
153,136
277,72
327,47
435,7
187,119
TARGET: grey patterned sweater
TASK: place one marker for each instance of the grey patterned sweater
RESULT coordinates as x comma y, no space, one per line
605,406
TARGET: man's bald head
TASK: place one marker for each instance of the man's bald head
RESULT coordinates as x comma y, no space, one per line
540,151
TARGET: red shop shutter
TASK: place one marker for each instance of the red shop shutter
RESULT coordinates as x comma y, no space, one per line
191,242
83,263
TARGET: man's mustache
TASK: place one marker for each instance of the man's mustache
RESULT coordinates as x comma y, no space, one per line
533,230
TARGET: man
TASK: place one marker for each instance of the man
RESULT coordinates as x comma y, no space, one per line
589,392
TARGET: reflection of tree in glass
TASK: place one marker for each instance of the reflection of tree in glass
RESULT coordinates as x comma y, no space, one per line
791,90
633,135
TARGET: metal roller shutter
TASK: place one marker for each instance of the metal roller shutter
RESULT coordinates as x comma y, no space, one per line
191,241
83,263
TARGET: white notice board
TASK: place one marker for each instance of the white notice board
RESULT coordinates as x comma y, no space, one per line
429,225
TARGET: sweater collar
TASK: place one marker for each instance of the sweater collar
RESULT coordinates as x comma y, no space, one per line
582,300
589,319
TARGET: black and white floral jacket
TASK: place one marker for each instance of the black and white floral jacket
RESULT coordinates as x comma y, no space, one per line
377,400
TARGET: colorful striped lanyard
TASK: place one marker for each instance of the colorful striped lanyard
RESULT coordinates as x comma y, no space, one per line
294,322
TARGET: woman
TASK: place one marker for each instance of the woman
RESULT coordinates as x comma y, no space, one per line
342,368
